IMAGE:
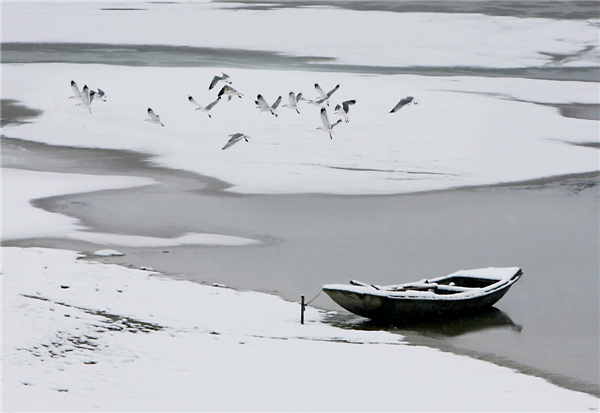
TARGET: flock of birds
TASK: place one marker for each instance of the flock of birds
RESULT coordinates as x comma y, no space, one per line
87,96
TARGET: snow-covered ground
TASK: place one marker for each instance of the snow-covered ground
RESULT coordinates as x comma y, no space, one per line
79,335
84,336
464,131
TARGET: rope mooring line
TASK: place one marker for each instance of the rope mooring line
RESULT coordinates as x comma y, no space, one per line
314,298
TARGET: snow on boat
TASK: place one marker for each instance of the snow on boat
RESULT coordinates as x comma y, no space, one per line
461,292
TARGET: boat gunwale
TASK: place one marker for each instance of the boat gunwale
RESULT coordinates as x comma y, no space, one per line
415,295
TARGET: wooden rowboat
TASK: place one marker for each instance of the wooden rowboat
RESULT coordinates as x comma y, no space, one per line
461,292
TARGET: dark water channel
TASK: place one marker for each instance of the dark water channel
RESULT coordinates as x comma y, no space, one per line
185,56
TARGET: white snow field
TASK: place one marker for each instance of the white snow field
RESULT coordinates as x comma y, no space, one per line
464,130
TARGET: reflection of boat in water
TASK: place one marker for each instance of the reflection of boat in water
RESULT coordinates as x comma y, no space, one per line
462,292
488,319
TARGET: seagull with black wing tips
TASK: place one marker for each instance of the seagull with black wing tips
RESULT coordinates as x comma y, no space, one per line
101,95
318,102
263,106
154,118
87,96
235,138
324,97
223,78
293,101
206,109
327,127
403,102
229,92
344,108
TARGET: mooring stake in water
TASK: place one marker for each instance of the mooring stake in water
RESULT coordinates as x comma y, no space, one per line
303,306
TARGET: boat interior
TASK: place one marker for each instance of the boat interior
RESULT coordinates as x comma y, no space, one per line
443,286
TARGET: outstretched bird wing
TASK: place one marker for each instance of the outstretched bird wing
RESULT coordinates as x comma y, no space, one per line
332,91
292,99
101,94
224,90
322,95
261,102
403,102
346,104
211,104
235,138
86,95
76,92
217,79
276,103
153,115
325,118
214,82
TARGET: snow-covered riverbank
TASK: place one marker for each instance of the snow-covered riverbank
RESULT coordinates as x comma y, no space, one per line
86,336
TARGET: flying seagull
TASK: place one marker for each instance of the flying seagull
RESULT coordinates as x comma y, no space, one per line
101,95
327,127
87,96
229,92
76,92
403,102
224,77
324,97
235,138
206,108
344,108
293,101
153,118
262,104
319,102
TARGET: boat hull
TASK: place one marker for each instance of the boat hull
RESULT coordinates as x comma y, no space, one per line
396,307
